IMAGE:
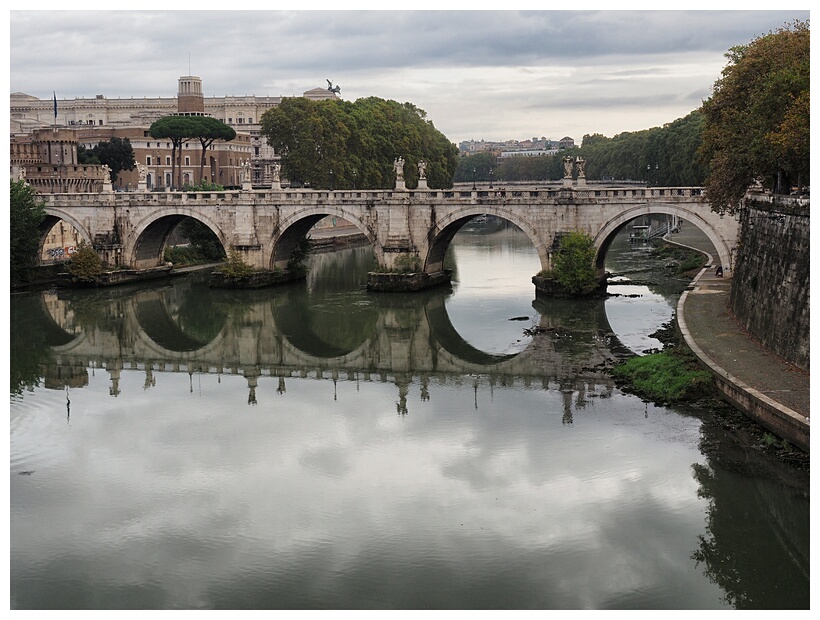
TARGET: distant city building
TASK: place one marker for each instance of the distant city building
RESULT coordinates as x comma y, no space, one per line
99,119
534,147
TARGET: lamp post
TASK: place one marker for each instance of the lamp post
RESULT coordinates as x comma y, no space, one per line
354,179
473,179
491,178
331,179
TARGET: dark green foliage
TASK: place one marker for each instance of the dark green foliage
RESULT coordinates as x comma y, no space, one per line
482,163
116,153
573,266
669,151
85,266
204,243
181,129
345,145
26,214
299,256
757,119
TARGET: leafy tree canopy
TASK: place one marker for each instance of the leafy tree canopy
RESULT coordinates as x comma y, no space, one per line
27,214
757,119
670,152
342,144
117,153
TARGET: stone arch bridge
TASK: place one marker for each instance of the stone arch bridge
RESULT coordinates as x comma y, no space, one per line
404,227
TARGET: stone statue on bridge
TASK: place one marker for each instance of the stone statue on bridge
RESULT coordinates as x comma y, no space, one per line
245,176
398,165
141,171
579,166
568,162
422,169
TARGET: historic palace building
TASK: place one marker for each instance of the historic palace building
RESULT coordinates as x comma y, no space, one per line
39,126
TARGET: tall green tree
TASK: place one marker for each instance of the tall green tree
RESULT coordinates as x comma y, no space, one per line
209,130
354,144
757,119
178,130
26,213
116,153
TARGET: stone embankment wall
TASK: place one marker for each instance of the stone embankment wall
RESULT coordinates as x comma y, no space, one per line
770,287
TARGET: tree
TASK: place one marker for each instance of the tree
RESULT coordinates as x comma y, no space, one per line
482,163
86,265
210,130
574,264
117,153
354,144
757,119
178,130
27,213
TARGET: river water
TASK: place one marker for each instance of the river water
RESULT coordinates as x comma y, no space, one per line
317,446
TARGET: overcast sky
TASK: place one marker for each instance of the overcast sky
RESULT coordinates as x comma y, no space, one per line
492,75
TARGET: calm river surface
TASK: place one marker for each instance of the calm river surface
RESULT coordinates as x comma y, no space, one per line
318,446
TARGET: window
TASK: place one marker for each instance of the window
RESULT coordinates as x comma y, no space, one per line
147,160
250,121
230,120
167,160
187,160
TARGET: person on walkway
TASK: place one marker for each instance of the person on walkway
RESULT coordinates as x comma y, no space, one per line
719,271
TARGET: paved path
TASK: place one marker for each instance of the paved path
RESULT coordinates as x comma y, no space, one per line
713,329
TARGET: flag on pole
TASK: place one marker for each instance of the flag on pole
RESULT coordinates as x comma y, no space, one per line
55,105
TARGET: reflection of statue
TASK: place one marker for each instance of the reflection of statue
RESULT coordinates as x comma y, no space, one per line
422,170
579,164
568,167
141,171
399,166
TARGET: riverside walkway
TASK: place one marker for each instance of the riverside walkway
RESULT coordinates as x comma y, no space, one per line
763,384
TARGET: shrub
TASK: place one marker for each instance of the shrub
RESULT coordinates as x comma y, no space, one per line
235,267
85,265
574,263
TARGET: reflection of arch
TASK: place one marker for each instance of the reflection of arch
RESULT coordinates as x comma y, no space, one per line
451,341
441,236
295,227
607,233
54,333
145,245
154,319
291,314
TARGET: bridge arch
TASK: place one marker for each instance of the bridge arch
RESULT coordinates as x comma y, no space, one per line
291,230
53,217
145,244
441,235
607,233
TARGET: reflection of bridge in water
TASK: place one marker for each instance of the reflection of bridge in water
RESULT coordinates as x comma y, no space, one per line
277,334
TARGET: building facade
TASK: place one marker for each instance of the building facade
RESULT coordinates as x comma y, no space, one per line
98,119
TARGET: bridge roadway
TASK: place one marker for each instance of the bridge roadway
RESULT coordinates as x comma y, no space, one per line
404,226
271,333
